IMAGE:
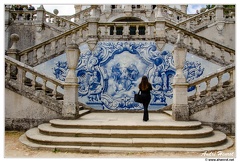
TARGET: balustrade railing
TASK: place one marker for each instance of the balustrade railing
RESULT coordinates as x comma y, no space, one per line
26,75
23,15
199,20
81,16
59,21
173,14
125,30
222,78
201,46
53,47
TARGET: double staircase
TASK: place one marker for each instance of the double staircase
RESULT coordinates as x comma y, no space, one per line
104,132
99,132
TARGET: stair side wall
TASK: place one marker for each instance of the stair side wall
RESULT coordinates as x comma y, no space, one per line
220,116
22,113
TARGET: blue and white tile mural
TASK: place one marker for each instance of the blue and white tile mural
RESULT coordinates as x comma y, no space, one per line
109,76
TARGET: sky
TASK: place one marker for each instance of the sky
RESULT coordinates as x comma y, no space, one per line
68,9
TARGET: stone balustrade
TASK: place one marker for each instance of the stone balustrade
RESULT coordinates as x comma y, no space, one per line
21,15
124,30
199,20
26,75
53,47
214,82
173,14
80,17
201,46
49,18
59,21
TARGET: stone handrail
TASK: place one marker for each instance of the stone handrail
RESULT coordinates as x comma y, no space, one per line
59,21
22,72
173,14
201,46
53,47
81,16
199,20
23,15
203,85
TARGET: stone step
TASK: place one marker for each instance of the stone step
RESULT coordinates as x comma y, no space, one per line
216,139
102,149
47,129
126,121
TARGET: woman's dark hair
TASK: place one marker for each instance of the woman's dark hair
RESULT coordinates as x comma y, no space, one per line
144,83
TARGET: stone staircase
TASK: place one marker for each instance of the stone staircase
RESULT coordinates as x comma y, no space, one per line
125,132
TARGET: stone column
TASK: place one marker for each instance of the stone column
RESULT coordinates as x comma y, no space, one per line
7,23
219,13
184,8
13,51
180,110
70,108
160,36
93,28
40,18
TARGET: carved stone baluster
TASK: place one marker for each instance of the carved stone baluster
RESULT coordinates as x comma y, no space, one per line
198,92
223,56
208,88
35,56
20,76
53,45
232,57
137,30
213,51
106,31
8,70
231,78
54,92
114,30
23,76
25,56
220,83
191,41
34,81
43,50
44,87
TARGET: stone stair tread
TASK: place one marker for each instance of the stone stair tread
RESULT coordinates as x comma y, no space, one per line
34,134
105,149
111,132
82,112
104,120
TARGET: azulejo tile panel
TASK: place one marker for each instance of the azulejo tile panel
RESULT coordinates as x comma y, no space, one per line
109,76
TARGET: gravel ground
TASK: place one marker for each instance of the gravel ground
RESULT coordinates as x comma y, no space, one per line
15,149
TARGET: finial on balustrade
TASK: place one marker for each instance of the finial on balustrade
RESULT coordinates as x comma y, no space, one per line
179,43
55,11
40,7
14,38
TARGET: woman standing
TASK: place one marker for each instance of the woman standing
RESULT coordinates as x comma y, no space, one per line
145,88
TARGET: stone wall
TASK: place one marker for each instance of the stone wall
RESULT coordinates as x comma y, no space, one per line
28,34
226,36
22,113
220,116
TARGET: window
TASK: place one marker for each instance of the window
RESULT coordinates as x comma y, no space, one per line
132,30
119,30
141,30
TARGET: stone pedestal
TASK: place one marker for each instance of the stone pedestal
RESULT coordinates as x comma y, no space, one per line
180,111
71,108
